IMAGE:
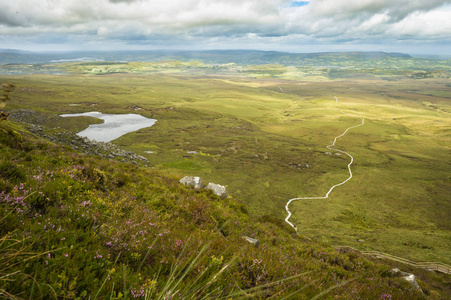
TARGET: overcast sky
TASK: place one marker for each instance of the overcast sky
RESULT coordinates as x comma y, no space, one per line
410,26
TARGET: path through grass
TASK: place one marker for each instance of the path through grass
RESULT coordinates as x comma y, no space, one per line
330,147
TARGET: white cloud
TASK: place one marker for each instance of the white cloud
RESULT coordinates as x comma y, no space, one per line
427,25
346,12
155,21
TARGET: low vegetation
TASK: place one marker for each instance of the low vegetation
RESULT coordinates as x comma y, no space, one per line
270,130
78,227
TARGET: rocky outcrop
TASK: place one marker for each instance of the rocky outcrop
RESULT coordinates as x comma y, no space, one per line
217,189
31,117
196,182
193,181
34,122
406,276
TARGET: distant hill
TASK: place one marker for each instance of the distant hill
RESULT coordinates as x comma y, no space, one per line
12,56
354,60
14,51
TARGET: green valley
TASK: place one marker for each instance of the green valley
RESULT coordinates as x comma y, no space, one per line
260,130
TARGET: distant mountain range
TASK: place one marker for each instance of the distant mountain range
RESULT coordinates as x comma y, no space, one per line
245,57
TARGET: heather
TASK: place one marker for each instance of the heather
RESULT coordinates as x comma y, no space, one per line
75,226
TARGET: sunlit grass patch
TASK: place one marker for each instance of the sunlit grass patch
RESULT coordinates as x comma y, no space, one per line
185,164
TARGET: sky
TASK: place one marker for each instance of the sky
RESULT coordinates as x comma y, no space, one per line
408,26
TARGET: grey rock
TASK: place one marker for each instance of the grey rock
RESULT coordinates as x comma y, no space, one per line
217,189
406,276
193,181
412,280
397,272
142,158
35,121
255,242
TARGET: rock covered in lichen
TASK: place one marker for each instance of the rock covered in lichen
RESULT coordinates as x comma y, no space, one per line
193,181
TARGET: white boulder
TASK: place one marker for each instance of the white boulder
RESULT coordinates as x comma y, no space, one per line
193,181
408,277
217,189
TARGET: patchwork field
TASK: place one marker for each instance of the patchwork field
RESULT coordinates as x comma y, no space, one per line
265,139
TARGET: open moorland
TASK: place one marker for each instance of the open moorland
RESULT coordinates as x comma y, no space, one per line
262,132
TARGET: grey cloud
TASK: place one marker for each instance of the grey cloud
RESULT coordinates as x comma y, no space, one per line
11,20
361,18
12,16
122,1
273,21
354,8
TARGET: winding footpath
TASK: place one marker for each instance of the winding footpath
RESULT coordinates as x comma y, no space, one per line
330,147
430,266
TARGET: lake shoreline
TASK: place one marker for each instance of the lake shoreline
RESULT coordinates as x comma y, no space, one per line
114,126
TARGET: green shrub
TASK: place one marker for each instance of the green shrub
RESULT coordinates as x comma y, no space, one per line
11,172
94,175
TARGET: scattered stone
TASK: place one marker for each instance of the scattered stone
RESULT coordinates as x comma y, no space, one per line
255,242
406,276
338,153
396,271
412,280
196,182
217,189
193,181
142,158
192,152
35,123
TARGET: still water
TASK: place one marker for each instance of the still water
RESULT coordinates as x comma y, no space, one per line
114,126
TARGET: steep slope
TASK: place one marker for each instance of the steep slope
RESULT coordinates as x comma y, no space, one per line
79,226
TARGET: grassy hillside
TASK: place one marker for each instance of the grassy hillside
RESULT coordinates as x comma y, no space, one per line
256,136
262,131
75,226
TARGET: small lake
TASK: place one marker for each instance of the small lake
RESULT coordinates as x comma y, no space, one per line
114,126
